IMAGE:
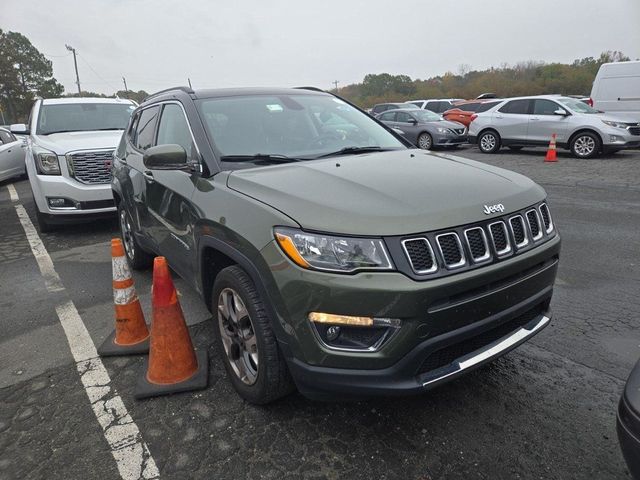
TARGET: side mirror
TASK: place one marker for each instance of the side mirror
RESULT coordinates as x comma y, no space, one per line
412,121
19,128
561,111
165,157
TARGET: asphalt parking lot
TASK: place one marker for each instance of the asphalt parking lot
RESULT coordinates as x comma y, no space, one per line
545,411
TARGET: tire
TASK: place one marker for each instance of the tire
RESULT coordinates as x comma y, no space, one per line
425,141
43,225
585,145
138,258
489,142
515,149
248,347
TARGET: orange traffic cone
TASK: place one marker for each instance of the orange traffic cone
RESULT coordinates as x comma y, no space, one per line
173,366
551,151
131,335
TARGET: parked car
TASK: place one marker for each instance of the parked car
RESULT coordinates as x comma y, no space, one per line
383,107
69,154
436,105
486,95
616,89
424,128
11,155
463,112
628,422
339,261
531,121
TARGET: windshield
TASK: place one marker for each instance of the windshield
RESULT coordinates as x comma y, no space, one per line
75,117
576,105
296,126
426,116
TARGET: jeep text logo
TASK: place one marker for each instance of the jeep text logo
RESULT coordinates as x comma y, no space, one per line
489,209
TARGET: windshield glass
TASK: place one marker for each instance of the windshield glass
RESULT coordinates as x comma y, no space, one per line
74,117
426,116
298,126
576,105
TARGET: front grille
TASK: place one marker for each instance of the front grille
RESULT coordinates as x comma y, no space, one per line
451,250
500,238
91,167
634,130
546,218
534,224
447,355
420,255
519,231
477,243
459,131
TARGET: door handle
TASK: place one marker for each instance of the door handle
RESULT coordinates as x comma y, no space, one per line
148,175
499,116
534,119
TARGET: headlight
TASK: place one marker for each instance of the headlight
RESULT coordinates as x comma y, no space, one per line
332,253
444,130
46,161
614,124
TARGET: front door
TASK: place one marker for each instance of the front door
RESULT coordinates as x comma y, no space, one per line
543,122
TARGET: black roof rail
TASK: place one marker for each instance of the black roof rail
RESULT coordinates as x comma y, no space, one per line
167,90
313,89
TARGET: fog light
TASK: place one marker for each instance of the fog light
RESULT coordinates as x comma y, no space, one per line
615,138
318,317
333,332
58,202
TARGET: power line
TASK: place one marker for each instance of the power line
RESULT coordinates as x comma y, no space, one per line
115,89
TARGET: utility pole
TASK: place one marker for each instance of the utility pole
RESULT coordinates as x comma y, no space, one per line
335,82
124,80
189,80
75,64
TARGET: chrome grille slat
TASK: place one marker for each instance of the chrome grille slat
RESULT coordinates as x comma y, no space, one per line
91,167
534,224
477,243
420,255
500,238
519,231
546,218
451,250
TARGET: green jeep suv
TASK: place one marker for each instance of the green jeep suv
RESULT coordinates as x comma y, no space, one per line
334,257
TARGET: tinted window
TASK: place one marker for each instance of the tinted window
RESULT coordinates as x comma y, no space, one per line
145,128
433,106
388,116
403,117
544,107
6,137
77,117
174,129
468,107
483,107
379,108
417,104
516,106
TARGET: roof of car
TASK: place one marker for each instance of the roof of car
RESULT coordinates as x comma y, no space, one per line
64,100
233,92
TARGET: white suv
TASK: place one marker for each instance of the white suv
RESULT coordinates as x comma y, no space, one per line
69,155
524,121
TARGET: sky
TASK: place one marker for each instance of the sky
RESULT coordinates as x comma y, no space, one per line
157,44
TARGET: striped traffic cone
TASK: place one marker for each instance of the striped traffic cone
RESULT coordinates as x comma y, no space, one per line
131,335
551,151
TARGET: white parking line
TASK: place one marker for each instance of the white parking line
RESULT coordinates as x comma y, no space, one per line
129,450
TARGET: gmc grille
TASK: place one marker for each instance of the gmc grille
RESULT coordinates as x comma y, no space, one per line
91,167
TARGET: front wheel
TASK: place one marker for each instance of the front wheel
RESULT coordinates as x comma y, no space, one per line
585,145
246,342
489,142
137,257
425,141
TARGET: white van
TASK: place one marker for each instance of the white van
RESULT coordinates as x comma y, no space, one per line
617,88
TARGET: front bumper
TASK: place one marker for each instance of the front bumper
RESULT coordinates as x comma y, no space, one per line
448,139
82,200
628,422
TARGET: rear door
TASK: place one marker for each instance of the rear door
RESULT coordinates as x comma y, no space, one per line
512,121
543,122
171,214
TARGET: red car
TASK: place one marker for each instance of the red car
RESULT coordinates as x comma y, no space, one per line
463,112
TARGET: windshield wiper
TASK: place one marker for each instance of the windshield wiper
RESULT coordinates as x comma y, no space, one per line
57,131
350,150
108,128
260,157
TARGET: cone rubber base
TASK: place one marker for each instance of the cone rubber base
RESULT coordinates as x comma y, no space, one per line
110,348
198,381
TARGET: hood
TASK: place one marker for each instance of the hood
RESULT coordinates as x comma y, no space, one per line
620,117
386,193
62,143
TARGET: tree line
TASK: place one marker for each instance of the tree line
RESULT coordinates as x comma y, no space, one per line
525,78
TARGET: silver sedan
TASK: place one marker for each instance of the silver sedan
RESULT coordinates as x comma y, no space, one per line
11,155
424,128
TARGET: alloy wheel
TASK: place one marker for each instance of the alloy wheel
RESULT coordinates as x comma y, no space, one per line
584,145
127,234
238,336
424,141
488,142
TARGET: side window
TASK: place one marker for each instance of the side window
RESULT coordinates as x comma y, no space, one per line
520,107
174,129
544,107
403,117
5,137
483,107
146,127
388,116
131,134
433,106
379,108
